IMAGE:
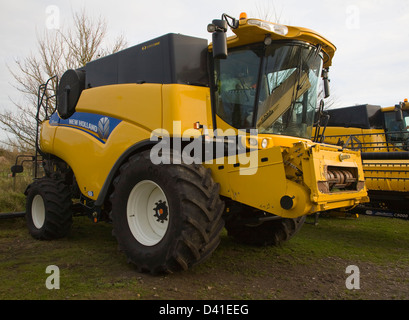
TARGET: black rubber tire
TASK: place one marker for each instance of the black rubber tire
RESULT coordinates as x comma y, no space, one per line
195,215
274,232
57,202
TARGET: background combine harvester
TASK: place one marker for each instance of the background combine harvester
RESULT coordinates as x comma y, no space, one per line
97,148
382,135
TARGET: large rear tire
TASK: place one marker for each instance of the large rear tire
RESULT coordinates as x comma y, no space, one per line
48,209
166,217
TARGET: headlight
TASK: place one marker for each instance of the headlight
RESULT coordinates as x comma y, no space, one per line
253,142
269,26
264,143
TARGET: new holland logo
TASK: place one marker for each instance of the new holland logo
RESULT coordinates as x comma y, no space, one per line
103,128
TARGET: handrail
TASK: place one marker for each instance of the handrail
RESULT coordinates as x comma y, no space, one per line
42,92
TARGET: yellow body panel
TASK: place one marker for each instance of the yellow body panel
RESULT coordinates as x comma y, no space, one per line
139,104
47,134
261,184
387,175
404,106
141,109
367,140
187,105
323,157
267,178
247,33
91,161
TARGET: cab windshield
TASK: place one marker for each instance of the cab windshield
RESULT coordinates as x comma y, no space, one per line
397,131
273,88
394,125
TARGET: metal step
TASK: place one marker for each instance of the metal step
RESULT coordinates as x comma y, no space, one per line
8,215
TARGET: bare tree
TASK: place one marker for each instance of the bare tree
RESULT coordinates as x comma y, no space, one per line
267,11
57,51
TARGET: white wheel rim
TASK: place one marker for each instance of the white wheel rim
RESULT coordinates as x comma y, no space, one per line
38,211
147,225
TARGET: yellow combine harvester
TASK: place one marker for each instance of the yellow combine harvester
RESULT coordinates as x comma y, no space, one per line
382,135
173,139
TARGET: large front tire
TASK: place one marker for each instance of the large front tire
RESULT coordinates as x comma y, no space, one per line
48,209
166,217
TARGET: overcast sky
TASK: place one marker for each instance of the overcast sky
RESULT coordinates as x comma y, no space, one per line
370,66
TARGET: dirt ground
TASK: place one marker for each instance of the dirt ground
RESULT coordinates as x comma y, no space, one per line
233,272
283,280
281,277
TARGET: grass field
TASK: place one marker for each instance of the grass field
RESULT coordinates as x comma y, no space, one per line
310,266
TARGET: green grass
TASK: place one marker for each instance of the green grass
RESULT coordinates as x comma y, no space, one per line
11,193
12,201
91,267
310,266
87,259
373,239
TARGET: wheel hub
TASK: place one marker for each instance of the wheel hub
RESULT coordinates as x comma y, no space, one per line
161,211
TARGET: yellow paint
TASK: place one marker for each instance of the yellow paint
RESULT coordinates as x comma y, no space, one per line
247,33
268,175
268,181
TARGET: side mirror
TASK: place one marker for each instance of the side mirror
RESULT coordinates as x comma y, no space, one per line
398,113
326,83
218,28
16,169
